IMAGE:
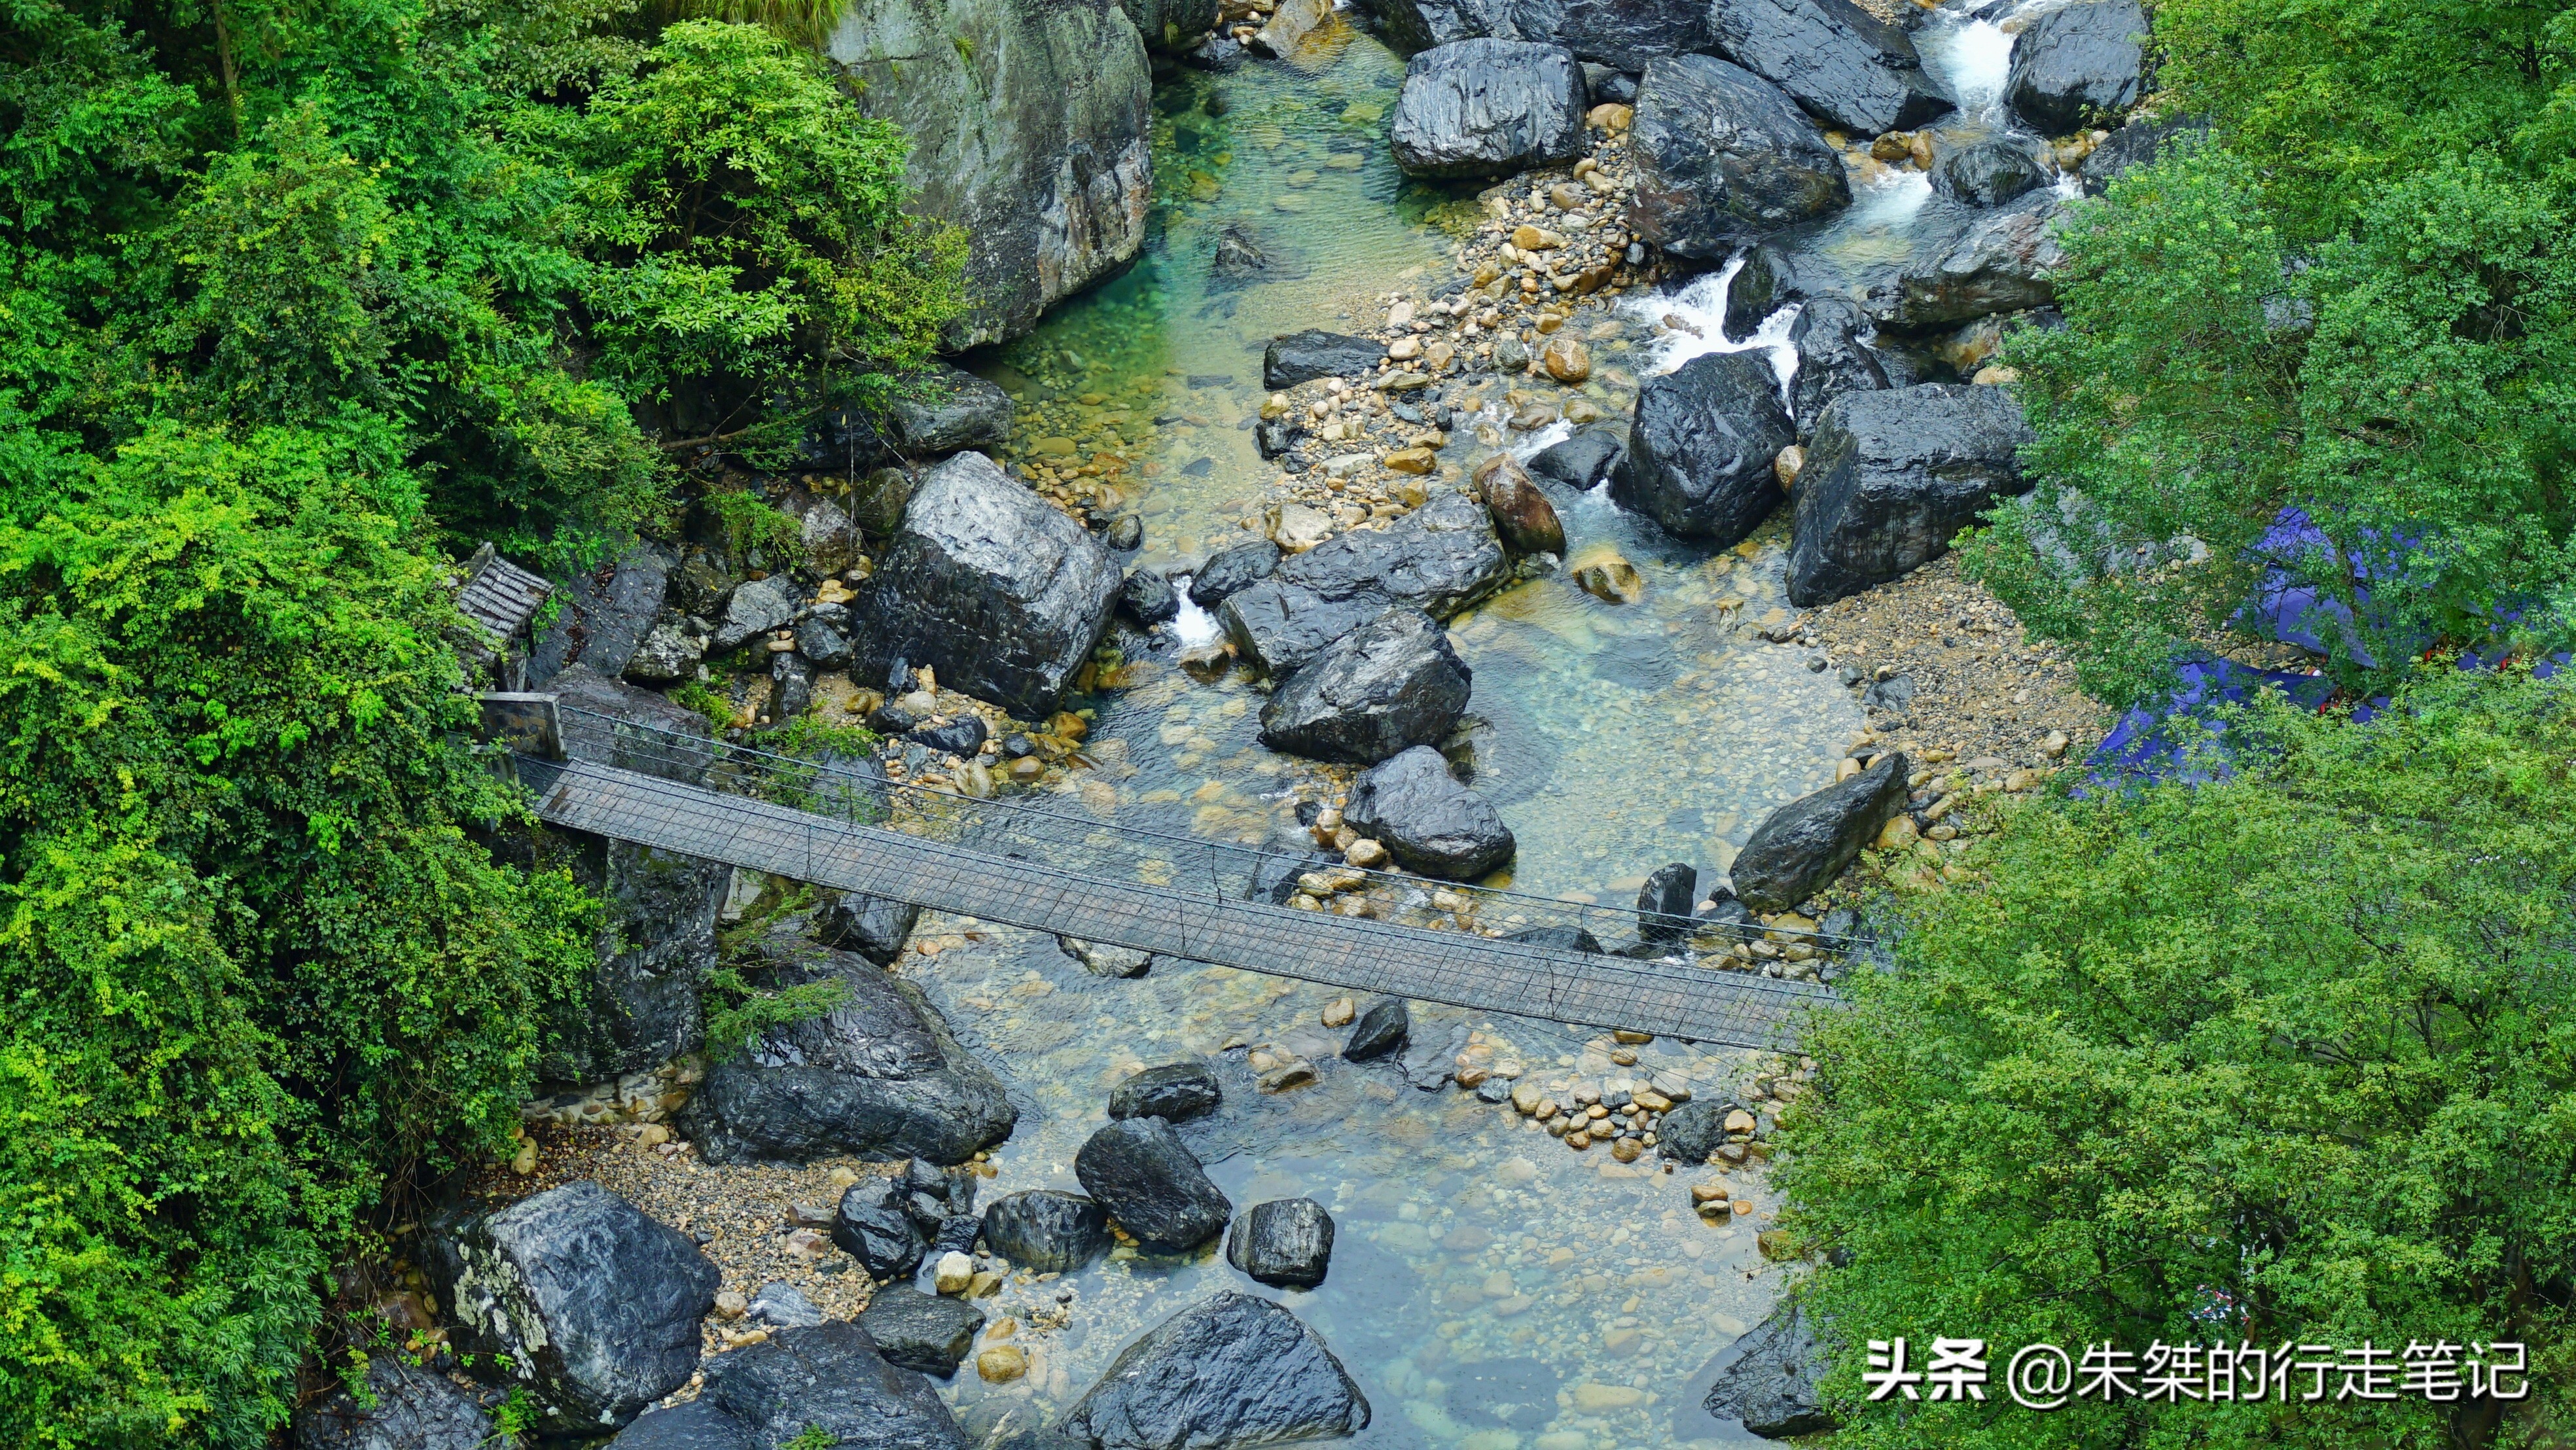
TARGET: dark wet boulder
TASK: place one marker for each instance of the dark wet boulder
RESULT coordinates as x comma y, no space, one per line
1765,282
949,409
617,724
1487,108
2076,63
1621,34
1302,357
696,1425
1232,1370
1772,1379
1987,173
918,1331
823,646
649,961
1172,26
1691,1131
1700,450
875,1226
1893,476
878,1076
1439,559
1047,1231
1414,807
1286,1243
2134,144
1230,571
1664,904
577,1297
1557,938
1152,1184
961,736
1523,518
1148,597
1413,26
1724,158
1803,845
875,927
1394,683
1832,57
1832,359
831,1378
998,589
1580,462
1175,1092
600,622
2002,260
413,1409
1381,1030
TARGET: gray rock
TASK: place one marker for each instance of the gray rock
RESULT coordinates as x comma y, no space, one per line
1032,137
1803,845
1432,824
1832,359
667,653
1392,684
2075,63
1175,1092
696,1425
414,1409
918,1331
827,532
874,1227
1429,1062
1413,26
2002,260
1893,476
577,1297
1286,1243
1832,57
1047,1232
1141,1172
754,610
1381,1030
1231,1370
1231,570
998,590
602,621
1487,108
1772,1380
649,961
632,729
1580,462
831,1378
1700,451
791,691
2134,144
1439,559
1148,597
1664,904
1302,357
875,927
1724,158
1987,173
823,646
879,1076
1126,533
1101,959
952,409
1691,1131
1558,938
782,1305
1621,35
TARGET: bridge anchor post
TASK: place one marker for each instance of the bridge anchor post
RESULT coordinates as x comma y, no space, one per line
528,724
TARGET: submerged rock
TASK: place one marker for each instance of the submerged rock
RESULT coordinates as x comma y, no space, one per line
1394,683
413,1409
1102,959
1432,824
917,1331
1832,359
1046,1231
1832,57
1285,1243
1700,451
1803,845
831,1378
1152,1184
1233,1370
1893,477
1772,1382
1724,157
1487,108
1558,938
1439,559
1302,357
2075,63
1175,1092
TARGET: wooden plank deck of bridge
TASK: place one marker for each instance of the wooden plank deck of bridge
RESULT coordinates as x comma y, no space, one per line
1358,954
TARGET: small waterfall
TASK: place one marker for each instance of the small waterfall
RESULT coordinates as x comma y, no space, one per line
1193,626
1970,53
1701,307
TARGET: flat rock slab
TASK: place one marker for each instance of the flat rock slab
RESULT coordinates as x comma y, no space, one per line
1487,108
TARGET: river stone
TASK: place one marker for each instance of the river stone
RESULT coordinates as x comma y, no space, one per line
1004,594
1392,684
2075,63
1832,359
1431,823
1046,1231
1487,108
1231,570
1275,875
1152,1184
1175,1092
918,1331
782,1305
879,1076
1231,1370
1803,845
1987,173
594,1306
696,1425
951,409
1834,58
1302,357
1033,140
1700,450
1381,1030
1102,959
1724,158
831,1378
602,625
1429,1062
1771,1382
1286,1243
1439,559
873,1226
1892,478
413,1409
1523,518
1558,938
1148,597
2002,260
875,927
1580,462
1664,904
753,610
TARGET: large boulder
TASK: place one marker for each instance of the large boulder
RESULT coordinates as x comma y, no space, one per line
949,409
1803,845
1724,158
1439,559
605,615
1772,1382
1523,518
876,927
2076,63
1987,173
1229,571
696,1425
1700,451
1998,261
1172,26
1392,684
925,1332
1622,35
576,1296
878,1076
1003,593
829,1378
1488,108
1693,1130
1302,357
617,724
1832,57
1175,1092
875,1226
1234,1370
1141,1172
1286,1243
650,960
1046,1231
1893,476
412,1409
1833,359
1432,824
1030,128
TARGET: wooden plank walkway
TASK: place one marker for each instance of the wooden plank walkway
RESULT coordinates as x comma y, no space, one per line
1361,955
